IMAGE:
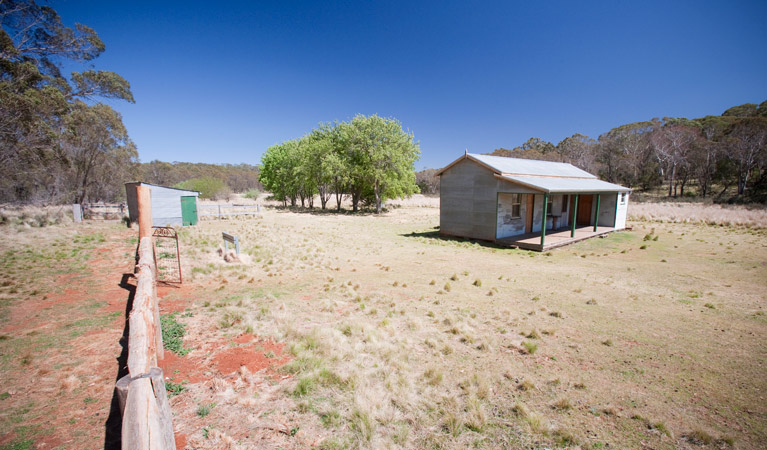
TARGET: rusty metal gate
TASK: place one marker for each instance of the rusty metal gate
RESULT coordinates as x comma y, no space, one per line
166,254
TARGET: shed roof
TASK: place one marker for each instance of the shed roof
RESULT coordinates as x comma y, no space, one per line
545,176
564,185
182,191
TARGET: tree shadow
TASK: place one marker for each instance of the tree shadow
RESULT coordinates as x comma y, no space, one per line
434,234
113,424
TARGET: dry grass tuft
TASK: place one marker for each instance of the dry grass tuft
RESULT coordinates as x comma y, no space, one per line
730,215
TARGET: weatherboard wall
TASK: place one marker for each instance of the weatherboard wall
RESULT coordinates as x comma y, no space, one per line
469,200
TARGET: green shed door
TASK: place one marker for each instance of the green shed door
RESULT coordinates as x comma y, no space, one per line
189,210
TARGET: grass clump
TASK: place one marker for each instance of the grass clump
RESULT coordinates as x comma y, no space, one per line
204,410
477,283
446,288
174,389
563,404
530,347
173,334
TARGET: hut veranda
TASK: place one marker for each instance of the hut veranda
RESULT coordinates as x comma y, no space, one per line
526,203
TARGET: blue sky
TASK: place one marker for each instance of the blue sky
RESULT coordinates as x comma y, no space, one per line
219,82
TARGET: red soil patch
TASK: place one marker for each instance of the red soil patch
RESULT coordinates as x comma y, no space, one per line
250,352
182,296
252,356
180,439
189,368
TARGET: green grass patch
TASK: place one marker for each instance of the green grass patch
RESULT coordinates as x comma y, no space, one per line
173,334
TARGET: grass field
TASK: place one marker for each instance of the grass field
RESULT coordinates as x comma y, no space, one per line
364,331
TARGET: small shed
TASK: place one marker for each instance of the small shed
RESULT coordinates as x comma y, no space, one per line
170,206
527,203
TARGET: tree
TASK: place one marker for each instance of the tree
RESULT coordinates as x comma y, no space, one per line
385,155
578,150
38,104
208,187
94,148
673,145
747,139
625,154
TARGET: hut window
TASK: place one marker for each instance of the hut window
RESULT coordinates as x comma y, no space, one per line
516,206
549,206
623,198
564,203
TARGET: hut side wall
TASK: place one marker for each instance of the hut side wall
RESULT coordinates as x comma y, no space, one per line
507,225
469,200
607,209
620,217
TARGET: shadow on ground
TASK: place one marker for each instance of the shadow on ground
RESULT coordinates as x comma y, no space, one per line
434,235
113,424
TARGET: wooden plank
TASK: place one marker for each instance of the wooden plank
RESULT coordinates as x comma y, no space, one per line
141,428
164,416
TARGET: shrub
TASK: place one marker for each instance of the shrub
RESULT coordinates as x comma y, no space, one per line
252,194
208,187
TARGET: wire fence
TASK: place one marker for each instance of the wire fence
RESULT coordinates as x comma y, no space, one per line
226,210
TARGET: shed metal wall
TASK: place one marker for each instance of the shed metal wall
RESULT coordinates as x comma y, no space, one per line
130,195
166,204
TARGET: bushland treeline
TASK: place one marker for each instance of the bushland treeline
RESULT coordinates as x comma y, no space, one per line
369,159
714,155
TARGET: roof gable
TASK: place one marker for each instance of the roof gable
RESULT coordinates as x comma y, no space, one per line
544,176
518,166
503,165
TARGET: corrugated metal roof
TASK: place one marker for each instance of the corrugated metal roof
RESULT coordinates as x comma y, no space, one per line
565,185
518,166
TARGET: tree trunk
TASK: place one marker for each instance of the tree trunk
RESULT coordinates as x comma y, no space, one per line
377,191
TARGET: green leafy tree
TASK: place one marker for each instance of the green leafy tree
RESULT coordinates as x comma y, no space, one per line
278,171
384,158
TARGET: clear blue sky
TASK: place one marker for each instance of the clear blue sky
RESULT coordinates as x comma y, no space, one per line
219,82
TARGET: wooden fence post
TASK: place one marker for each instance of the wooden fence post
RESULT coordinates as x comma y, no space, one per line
144,200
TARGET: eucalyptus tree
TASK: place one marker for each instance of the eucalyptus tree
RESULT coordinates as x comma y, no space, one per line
747,139
674,143
36,97
94,150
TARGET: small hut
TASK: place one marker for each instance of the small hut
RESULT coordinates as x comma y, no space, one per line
526,203
170,206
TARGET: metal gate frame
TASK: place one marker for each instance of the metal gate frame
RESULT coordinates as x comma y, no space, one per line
170,233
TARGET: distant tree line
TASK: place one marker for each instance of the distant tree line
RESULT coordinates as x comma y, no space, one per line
727,152
214,181
369,159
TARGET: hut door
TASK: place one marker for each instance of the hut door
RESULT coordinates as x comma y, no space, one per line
189,210
529,213
584,210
